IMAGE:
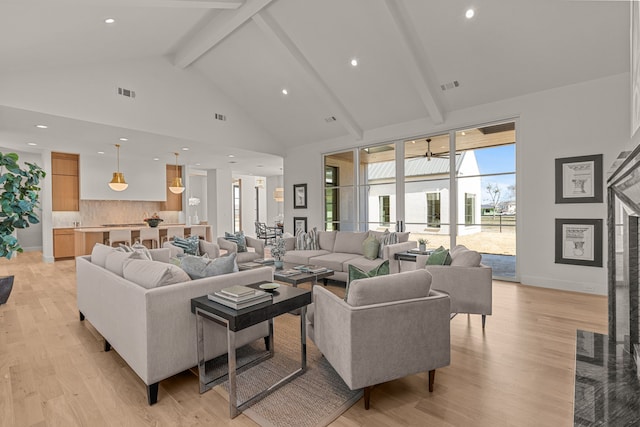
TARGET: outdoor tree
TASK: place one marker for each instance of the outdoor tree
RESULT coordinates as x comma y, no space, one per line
494,196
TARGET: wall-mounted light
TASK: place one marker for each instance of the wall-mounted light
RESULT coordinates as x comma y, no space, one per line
278,194
176,186
117,182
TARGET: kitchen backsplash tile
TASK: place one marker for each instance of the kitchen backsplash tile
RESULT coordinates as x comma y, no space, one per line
98,212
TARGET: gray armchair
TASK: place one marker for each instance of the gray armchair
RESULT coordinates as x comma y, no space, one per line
389,327
256,244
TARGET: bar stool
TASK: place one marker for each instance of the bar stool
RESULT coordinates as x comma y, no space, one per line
119,236
200,231
172,232
152,234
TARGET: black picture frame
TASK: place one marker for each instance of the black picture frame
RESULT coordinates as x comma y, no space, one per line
299,222
579,179
299,196
579,242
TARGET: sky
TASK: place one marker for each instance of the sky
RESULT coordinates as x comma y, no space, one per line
497,160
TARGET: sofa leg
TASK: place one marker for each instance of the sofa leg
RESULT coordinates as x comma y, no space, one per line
81,316
325,281
152,393
432,377
107,346
367,396
484,320
266,343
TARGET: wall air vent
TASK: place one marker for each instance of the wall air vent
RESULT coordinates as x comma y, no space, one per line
126,92
221,117
330,119
450,85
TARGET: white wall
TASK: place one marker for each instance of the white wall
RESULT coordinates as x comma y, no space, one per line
581,119
274,209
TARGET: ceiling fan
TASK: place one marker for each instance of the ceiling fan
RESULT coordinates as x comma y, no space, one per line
429,154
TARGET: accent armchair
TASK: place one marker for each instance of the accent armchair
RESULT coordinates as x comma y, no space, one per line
389,327
250,255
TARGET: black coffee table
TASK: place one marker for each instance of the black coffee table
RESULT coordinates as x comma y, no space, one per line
285,299
302,277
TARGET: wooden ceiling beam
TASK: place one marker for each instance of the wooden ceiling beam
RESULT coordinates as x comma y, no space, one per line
415,59
273,30
215,31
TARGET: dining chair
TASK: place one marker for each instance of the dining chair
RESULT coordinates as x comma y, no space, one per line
172,232
199,230
119,236
151,234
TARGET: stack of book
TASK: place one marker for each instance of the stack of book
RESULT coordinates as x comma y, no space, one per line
307,268
290,272
238,297
265,261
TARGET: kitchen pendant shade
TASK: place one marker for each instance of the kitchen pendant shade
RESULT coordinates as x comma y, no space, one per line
176,186
117,182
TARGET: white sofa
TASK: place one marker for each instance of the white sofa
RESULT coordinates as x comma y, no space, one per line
153,328
339,249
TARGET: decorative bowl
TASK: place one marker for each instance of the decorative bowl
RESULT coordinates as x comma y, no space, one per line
269,287
153,222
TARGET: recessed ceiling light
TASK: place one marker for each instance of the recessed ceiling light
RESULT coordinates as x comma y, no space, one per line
124,139
469,13
42,126
285,92
109,21
260,166
197,164
185,148
231,156
156,158
354,62
100,152
32,144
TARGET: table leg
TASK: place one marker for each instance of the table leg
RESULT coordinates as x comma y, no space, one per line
200,347
231,355
303,337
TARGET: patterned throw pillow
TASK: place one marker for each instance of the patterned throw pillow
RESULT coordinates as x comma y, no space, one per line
439,257
237,238
198,267
307,240
386,239
190,245
356,273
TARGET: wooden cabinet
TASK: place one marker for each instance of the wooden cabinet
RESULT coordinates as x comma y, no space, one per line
63,243
174,201
65,182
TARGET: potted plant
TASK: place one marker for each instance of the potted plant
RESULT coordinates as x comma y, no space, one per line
278,251
18,200
422,244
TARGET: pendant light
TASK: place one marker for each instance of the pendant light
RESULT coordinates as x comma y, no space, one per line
176,186
117,182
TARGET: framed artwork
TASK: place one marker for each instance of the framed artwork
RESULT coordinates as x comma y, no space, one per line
579,179
299,196
579,242
299,223
635,67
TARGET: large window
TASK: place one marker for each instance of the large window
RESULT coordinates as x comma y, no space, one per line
469,208
385,210
433,210
331,199
339,191
237,207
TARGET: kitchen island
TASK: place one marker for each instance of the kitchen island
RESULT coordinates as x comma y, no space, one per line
86,237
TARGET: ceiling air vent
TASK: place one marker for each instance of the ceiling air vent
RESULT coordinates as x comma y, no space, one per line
450,85
221,117
126,92
330,119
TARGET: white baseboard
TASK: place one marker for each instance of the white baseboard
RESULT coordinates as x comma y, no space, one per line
48,259
565,285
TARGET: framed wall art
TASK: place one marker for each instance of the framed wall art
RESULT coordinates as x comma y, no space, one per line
299,196
579,179
299,223
579,242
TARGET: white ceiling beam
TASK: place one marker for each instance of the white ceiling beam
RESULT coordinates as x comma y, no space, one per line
415,59
273,30
184,4
216,31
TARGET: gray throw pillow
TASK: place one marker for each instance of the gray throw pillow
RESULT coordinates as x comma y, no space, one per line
198,267
190,245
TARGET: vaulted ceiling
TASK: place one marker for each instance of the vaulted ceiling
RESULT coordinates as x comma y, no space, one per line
250,50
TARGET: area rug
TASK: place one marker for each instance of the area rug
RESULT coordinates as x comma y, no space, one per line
315,398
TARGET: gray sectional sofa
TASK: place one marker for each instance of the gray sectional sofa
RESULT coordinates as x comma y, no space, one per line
143,309
339,249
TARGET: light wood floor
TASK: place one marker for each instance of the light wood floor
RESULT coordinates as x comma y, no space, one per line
519,371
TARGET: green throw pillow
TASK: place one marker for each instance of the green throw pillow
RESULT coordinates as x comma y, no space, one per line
238,238
439,257
190,245
370,247
356,273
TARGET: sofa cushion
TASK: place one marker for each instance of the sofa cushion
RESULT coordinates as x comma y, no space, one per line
440,256
246,257
198,267
370,247
333,261
463,257
355,273
237,238
116,259
326,240
302,257
160,254
392,287
99,254
153,274
190,245
349,242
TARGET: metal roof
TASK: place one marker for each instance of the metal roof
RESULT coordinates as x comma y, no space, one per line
418,166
